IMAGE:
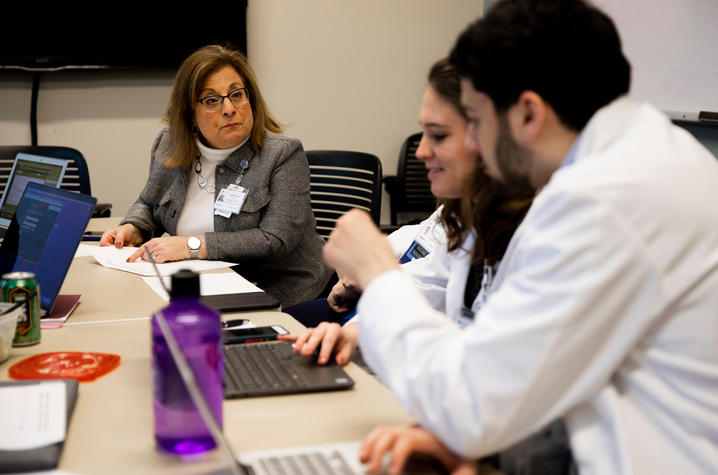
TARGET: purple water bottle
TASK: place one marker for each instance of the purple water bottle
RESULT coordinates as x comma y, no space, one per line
179,427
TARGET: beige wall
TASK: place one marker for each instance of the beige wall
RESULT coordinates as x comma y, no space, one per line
343,74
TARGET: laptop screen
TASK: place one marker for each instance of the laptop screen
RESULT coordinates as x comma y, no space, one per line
43,236
26,169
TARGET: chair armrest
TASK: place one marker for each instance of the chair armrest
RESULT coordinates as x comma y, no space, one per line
391,183
102,210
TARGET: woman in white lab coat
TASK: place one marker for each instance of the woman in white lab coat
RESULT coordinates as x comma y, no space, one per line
477,219
461,265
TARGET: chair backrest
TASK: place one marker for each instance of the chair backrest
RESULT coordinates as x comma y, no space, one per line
77,176
342,180
412,189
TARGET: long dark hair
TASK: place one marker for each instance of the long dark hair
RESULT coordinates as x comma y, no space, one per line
487,206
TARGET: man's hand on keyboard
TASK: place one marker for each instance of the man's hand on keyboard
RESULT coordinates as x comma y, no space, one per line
403,441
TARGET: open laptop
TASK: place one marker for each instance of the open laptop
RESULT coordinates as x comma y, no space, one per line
273,368
269,369
28,168
339,457
43,236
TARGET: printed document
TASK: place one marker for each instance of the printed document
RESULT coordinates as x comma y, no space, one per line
33,415
110,256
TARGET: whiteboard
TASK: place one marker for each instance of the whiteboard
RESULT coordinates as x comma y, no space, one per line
672,46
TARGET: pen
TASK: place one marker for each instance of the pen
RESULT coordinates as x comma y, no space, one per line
88,237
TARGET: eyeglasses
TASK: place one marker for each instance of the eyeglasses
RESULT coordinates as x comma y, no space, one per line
215,102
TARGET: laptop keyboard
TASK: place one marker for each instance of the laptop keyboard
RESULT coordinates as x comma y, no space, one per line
310,463
260,367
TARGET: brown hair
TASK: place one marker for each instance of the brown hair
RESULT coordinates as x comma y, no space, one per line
188,84
486,207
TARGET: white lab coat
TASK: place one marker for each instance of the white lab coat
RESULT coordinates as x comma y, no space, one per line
429,274
440,276
604,311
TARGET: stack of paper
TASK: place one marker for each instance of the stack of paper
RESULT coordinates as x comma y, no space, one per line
209,284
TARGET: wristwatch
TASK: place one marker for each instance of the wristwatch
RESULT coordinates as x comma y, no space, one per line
193,244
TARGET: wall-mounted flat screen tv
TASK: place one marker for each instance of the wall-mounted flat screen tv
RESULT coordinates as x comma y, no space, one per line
83,35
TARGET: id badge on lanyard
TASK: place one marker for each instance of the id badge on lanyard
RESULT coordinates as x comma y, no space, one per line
230,200
423,243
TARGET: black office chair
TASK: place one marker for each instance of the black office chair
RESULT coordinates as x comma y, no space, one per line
77,175
342,180
410,190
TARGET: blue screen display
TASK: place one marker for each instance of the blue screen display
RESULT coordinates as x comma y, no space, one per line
43,236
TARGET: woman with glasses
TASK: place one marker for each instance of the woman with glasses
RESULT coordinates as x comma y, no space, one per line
226,185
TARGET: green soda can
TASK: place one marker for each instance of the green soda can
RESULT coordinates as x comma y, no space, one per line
23,287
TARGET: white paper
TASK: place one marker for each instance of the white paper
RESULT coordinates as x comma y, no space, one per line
209,284
85,250
33,415
110,256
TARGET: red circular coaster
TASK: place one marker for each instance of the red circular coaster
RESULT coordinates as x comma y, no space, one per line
80,365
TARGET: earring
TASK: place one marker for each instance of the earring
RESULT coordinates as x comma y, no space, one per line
195,130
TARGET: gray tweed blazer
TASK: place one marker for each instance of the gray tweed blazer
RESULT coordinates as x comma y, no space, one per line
273,237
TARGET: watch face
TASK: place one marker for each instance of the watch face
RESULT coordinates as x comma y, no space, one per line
193,243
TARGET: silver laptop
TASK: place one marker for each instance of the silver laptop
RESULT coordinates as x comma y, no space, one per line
28,168
339,457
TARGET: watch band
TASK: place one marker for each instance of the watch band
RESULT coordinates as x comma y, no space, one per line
193,244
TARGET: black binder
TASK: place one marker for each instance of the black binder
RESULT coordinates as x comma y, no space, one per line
240,302
43,458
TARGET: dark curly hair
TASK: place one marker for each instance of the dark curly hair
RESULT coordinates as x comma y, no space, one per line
566,51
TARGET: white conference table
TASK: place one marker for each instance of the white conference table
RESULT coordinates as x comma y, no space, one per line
111,429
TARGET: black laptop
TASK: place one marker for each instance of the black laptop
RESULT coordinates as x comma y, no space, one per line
273,368
270,369
43,236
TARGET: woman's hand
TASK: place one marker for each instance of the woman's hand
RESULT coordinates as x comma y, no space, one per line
401,442
168,249
121,236
332,337
344,296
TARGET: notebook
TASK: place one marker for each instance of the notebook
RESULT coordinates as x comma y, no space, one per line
26,169
240,302
47,456
340,457
43,236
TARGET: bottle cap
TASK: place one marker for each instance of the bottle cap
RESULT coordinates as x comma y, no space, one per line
185,283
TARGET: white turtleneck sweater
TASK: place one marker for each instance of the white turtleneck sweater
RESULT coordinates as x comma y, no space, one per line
197,215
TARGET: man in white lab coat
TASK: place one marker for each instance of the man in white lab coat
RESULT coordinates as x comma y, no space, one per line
604,310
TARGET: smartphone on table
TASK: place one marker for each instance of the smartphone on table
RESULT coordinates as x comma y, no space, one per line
253,334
